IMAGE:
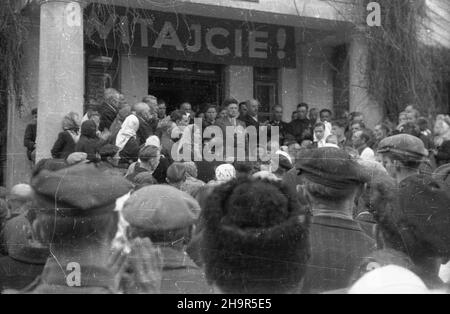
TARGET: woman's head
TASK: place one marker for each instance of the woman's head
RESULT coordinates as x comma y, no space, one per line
71,122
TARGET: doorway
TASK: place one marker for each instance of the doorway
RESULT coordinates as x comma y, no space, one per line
179,81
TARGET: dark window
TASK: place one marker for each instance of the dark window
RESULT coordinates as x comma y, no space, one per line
183,81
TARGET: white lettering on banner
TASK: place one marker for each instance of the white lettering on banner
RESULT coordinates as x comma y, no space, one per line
197,38
73,13
144,24
103,30
217,31
73,279
258,49
168,37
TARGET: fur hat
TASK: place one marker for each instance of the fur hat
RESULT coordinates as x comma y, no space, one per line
255,237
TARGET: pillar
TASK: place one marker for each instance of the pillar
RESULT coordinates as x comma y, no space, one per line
360,99
239,82
288,92
134,78
61,69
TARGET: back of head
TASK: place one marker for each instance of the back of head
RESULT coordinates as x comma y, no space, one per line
229,101
75,206
255,238
331,174
89,129
148,152
176,173
71,122
191,169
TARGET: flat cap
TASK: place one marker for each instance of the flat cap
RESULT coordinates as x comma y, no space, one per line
81,190
403,144
331,167
158,208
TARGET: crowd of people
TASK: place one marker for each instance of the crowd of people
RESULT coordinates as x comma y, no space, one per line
329,205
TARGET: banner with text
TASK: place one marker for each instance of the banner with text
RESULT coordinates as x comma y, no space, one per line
191,38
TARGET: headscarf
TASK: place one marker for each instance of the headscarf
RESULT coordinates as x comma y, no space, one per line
71,122
153,141
128,130
76,158
225,172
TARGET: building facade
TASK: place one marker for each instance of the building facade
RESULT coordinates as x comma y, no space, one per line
201,51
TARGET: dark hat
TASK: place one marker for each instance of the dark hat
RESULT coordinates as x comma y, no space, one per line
108,150
79,190
424,207
255,238
331,167
161,208
404,144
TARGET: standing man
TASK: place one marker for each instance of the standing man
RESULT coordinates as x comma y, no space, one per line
402,155
147,120
332,182
243,110
163,118
300,129
187,107
231,120
277,121
251,118
76,216
338,128
360,140
29,140
313,115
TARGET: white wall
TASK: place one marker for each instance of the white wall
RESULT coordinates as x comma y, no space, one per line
316,77
134,78
239,82
288,92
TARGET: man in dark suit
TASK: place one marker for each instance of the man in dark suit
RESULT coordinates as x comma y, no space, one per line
277,121
251,118
332,181
231,122
301,128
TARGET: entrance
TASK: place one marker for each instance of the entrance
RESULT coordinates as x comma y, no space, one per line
179,81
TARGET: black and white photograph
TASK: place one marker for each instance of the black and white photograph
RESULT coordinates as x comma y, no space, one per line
224,152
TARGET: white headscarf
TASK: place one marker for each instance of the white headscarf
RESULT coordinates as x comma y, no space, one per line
128,130
225,172
153,141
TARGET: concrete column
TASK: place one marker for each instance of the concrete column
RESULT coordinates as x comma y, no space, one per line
134,78
61,69
360,99
18,168
317,77
288,92
239,82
